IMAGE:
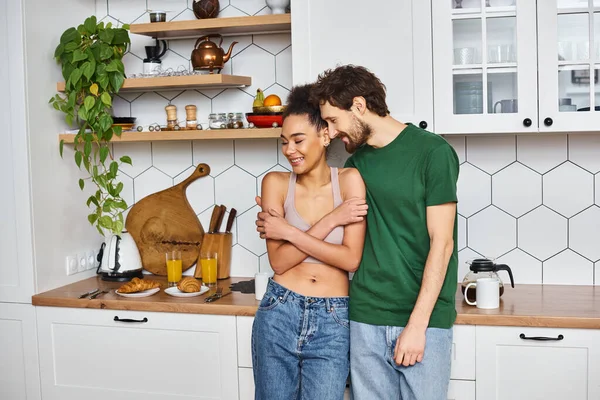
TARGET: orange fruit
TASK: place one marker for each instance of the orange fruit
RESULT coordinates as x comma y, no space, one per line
272,100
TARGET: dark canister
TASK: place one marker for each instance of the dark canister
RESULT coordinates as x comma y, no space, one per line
205,8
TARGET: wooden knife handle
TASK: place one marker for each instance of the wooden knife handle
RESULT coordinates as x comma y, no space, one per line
213,219
232,214
220,218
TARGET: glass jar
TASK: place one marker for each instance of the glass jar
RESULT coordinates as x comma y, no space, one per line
217,121
235,121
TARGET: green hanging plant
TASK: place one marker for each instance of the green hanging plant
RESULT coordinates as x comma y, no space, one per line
93,71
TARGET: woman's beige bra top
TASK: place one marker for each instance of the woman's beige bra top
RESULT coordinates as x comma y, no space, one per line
293,218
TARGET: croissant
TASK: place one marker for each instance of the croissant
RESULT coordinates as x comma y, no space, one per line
189,284
138,285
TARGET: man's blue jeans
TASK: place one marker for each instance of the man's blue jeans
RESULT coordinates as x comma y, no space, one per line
375,375
300,346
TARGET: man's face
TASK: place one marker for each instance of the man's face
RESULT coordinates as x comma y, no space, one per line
346,126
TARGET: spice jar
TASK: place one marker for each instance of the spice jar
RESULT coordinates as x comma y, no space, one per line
171,116
235,121
190,117
217,121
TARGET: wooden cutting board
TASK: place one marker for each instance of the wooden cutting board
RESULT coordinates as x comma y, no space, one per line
165,221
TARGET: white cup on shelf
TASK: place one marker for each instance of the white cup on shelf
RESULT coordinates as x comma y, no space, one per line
487,293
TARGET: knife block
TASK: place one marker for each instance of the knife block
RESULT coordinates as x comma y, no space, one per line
219,243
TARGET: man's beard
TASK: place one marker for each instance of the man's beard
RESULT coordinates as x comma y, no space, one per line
357,136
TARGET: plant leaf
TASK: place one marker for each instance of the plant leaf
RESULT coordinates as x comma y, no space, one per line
82,114
90,25
105,122
112,66
81,184
92,218
118,227
87,148
103,154
114,168
121,36
116,80
89,102
60,49
78,55
105,52
61,145
126,160
78,157
106,99
75,76
107,35
117,130
69,119
105,222
94,89
103,81
88,69
70,35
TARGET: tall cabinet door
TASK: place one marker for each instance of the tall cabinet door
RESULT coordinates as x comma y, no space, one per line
19,372
524,363
390,38
485,66
569,55
16,268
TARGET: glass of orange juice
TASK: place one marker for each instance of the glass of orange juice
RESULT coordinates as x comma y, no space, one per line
208,263
174,267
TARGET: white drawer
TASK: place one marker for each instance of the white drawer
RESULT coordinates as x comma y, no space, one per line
463,353
244,341
461,390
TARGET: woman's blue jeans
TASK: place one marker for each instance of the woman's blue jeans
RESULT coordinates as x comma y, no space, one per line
300,346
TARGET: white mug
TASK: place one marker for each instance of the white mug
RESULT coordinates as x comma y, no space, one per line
487,293
261,280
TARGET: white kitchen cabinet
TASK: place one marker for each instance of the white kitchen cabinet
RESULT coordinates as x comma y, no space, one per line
244,341
131,355
390,38
19,374
569,53
485,66
463,352
246,378
16,269
560,364
461,390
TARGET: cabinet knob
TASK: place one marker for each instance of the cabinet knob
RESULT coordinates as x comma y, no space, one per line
548,121
423,124
527,122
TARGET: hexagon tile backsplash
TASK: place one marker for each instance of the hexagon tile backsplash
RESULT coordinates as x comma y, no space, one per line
532,202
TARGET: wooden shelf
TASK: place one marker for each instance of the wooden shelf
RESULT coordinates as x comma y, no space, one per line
208,81
255,133
225,26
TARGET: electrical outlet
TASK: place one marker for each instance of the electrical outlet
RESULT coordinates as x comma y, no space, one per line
91,259
71,265
81,262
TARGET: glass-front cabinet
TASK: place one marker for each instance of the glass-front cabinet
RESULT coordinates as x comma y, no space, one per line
485,66
569,64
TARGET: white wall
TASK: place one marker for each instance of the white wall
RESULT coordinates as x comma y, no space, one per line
59,211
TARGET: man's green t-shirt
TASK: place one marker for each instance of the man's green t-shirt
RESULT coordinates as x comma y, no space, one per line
416,170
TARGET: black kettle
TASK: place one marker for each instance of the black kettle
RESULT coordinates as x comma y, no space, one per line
484,268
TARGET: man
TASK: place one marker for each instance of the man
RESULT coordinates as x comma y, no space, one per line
402,296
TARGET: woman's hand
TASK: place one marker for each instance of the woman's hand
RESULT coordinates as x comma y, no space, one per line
274,226
350,211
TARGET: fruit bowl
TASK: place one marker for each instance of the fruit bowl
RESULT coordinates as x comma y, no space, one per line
268,109
265,120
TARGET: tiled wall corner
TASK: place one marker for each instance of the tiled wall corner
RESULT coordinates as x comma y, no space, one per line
532,202
237,167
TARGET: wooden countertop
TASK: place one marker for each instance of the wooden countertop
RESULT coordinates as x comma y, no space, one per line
555,306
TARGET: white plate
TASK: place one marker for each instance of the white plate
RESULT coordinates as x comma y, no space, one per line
145,293
173,291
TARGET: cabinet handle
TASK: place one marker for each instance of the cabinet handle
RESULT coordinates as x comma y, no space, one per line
548,121
542,338
423,124
141,321
527,122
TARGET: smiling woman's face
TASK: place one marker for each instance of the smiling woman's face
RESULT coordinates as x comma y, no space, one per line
302,144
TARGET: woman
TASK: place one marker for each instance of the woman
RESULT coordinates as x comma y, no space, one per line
315,234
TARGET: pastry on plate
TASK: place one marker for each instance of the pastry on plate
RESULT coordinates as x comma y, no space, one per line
138,285
189,284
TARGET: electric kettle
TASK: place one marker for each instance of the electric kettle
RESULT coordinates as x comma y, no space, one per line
484,268
119,258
